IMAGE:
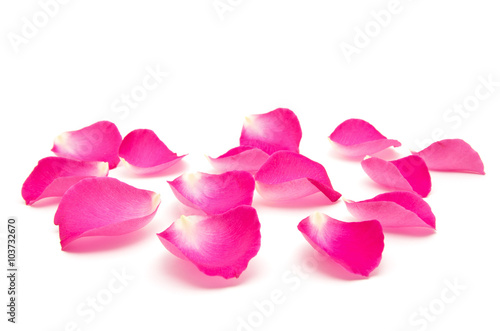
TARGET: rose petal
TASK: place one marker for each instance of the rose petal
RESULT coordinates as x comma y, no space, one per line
357,246
356,137
218,245
394,209
242,158
287,176
97,142
55,175
144,153
452,155
274,131
214,194
103,206
408,174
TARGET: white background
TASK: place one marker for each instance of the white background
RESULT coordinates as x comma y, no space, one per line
261,56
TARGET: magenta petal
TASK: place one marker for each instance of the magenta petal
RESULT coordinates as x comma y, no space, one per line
97,142
103,206
214,194
218,245
274,131
145,153
452,155
53,176
242,158
355,137
357,246
287,176
394,209
407,174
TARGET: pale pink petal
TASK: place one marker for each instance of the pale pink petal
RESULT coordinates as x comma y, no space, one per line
452,155
287,176
218,245
274,131
394,209
357,246
144,153
355,137
55,175
243,158
97,142
214,194
407,174
103,206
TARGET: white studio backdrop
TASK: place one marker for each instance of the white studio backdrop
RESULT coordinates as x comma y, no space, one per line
191,71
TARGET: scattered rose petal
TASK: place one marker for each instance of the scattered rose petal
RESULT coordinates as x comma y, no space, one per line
218,245
274,131
242,158
287,176
55,175
356,246
103,206
355,137
394,209
97,142
214,194
407,174
452,155
144,153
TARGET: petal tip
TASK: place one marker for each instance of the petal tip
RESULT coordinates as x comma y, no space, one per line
347,200
103,168
156,200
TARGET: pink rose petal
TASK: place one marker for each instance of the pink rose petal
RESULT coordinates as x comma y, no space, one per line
218,245
103,206
53,176
242,158
144,153
394,209
287,176
357,246
452,155
97,142
214,194
356,137
407,174
274,131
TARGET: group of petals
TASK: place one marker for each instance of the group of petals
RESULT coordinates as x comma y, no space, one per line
223,240
141,150
269,150
358,246
93,204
